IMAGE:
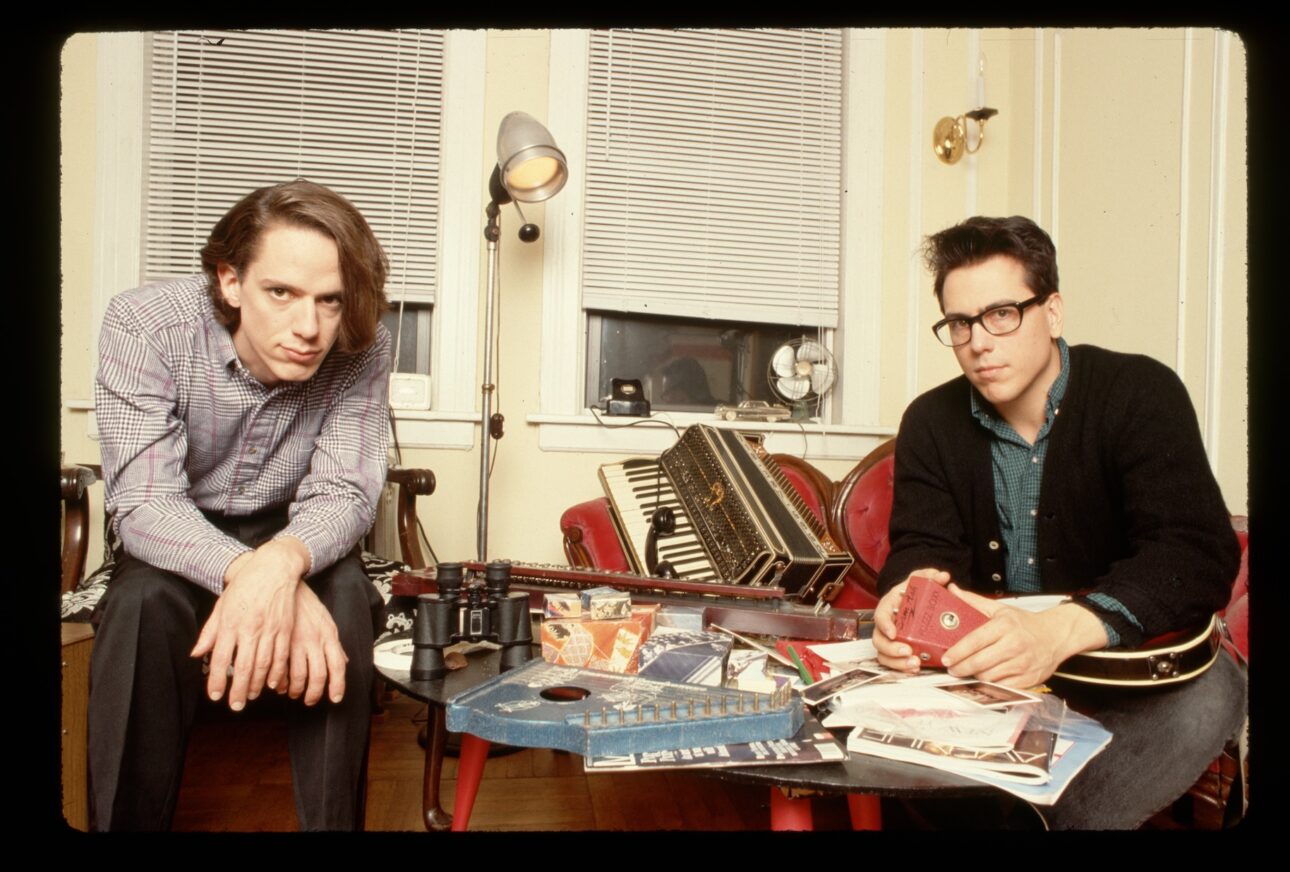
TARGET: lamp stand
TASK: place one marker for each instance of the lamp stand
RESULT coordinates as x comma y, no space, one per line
492,234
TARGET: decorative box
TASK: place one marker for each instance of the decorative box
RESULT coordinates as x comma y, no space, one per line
562,605
605,603
693,657
611,646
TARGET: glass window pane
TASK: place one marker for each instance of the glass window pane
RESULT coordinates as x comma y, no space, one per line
687,365
410,337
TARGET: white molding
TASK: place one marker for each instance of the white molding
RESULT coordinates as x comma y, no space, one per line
462,177
1037,171
975,98
1184,205
437,430
862,223
1217,242
118,172
563,350
913,276
1057,135
585,434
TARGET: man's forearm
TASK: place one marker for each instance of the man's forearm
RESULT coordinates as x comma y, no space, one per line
287,552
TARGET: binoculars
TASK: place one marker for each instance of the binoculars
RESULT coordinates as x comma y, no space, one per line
470,611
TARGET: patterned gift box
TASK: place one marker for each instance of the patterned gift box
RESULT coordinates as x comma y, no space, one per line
562,605
681,617
611,646
605,604
694,657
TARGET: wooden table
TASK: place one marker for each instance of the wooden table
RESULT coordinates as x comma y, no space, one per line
863,779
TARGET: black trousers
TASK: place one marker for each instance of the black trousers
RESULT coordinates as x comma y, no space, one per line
144,690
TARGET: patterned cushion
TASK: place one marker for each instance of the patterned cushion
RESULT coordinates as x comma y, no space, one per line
399,610
78,604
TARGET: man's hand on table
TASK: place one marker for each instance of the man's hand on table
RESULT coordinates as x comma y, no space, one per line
253,620
1014,647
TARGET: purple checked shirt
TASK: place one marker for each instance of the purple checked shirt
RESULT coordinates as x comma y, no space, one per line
185,427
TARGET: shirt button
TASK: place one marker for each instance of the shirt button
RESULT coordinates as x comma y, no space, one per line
994,546
1034,459
241,490
252,451
996,577
1030,561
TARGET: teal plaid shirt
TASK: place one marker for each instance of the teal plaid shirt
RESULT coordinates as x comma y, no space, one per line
1018,473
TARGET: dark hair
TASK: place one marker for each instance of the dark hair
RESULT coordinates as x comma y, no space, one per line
979,239
363,266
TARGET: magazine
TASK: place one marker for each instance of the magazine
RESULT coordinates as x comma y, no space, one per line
811,744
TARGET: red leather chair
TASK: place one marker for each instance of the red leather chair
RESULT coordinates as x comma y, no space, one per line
590,537
814,487
1237,613
1210,803
858,520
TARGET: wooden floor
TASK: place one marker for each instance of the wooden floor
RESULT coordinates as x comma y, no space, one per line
238,778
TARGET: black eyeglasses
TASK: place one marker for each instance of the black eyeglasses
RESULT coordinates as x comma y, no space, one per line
996,320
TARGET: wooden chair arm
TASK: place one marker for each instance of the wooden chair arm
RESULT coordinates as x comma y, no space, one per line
412,483
75,482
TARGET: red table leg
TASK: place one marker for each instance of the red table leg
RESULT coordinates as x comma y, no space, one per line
470,769
788,813
866,811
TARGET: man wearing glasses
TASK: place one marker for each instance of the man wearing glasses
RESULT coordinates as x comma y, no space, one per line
1049,468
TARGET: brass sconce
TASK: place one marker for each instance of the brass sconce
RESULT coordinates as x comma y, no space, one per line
949,137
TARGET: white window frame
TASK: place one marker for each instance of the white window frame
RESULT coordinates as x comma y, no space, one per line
121,110
565,425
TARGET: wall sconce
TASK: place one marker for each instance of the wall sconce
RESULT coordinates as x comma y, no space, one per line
950,139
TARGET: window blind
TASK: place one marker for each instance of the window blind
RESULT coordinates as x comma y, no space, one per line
359,111
713,173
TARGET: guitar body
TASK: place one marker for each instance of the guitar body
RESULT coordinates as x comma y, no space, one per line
1168,659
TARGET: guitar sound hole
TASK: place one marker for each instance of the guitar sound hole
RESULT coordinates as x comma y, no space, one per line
564,693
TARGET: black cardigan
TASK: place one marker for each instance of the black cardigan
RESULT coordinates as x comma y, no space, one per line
1128,505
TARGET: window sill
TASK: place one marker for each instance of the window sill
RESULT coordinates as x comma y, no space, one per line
433,429
652,435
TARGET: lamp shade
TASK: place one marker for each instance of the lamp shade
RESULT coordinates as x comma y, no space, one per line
532,168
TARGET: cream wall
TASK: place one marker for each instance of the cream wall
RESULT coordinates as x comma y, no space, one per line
1128,145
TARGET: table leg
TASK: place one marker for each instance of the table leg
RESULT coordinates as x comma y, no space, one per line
789,813
470,769
866,811
432,812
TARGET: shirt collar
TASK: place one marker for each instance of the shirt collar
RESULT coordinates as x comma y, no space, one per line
984,412
224,352
222,348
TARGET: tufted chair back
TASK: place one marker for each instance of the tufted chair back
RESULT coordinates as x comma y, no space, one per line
861,510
